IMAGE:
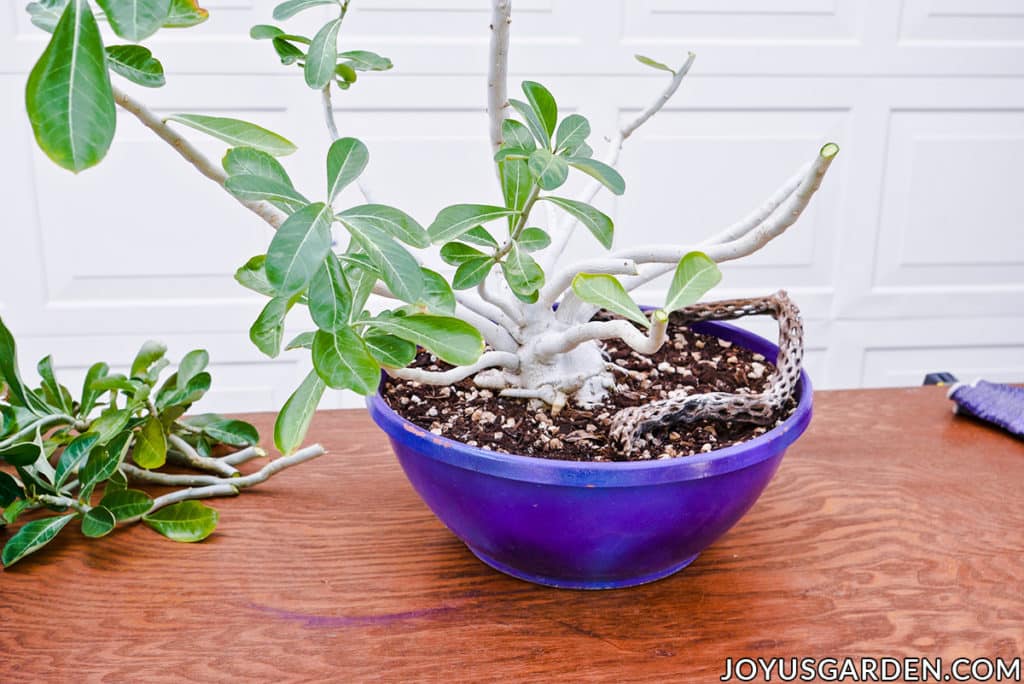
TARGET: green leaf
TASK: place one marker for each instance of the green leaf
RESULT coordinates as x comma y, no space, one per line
653,64
456,253
515,134
287,10
98,522
193,392
437,293
45,14
533,122
116,382
298,248
322,56
572,132
10,490
248,161
110,423
150,445
399,269
102,463
89,395
116,482
265,31
297,413
193,363
301,341
150,352
185,14
607,292
73,455
51,388
606,175
396,223
453,221
13,511
21,453
237,133
343,362
69,98
126,503
288,53
522,273
253,275
390,351
267,332
330,297
533,240
516,183
450,339
346,75
346,159
364,60
232,432
695,274
596,222
257,188
185,521
137,64
135,20
18,394
542,102
33,536
479,236
472,272
549,170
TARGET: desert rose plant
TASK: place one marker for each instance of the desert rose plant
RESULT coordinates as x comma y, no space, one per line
492,317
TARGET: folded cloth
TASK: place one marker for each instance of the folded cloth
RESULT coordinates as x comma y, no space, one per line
996,403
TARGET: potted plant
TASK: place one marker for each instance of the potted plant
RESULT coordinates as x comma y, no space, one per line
508,350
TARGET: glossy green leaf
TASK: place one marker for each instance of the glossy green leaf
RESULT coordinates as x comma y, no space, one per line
329,295
346,160
126,503
343,362
12,512
150,445
516,183
288,53
265,32
135,20
572,132
596,222
396,223
18,393
450,339
33,536
253,275
453,221
256,189
74,455
479,236
522,273
298,248
103,463
549,170
287,10
110,423
608,293
237,133
533,240
68,96
45,14
543,103
267,332
437,293
399,269
303,340
186,521
51,388
647,61
295,416
150,352
695,275
515,134
346,75
472,272
21,453
606,175
98,522
232,432
137,64
89,395
185,14
533,122
364,60
456,253
9,489
322,56
248,161
390,351
192,364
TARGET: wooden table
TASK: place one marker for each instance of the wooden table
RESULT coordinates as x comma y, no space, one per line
892,528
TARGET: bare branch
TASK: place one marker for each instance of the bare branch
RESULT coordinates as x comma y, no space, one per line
559,343
487,360
244,456
497,69
261,475
332,129
184,454
264,210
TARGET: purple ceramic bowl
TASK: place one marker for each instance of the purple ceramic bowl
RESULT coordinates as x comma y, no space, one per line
591,525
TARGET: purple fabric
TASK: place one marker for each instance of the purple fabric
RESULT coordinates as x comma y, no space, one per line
996,403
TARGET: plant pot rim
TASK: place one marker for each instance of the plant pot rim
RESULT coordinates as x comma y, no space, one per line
611,473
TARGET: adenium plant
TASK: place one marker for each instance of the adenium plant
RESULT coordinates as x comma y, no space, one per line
492,316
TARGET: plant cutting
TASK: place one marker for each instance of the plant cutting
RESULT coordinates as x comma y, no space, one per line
507,334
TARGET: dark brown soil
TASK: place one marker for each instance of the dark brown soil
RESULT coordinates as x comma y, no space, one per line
689,363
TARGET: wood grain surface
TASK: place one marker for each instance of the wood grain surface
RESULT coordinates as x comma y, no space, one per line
892,528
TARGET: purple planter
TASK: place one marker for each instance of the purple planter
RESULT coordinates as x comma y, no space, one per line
591,525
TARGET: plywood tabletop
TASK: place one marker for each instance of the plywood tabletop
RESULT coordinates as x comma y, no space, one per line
892,528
